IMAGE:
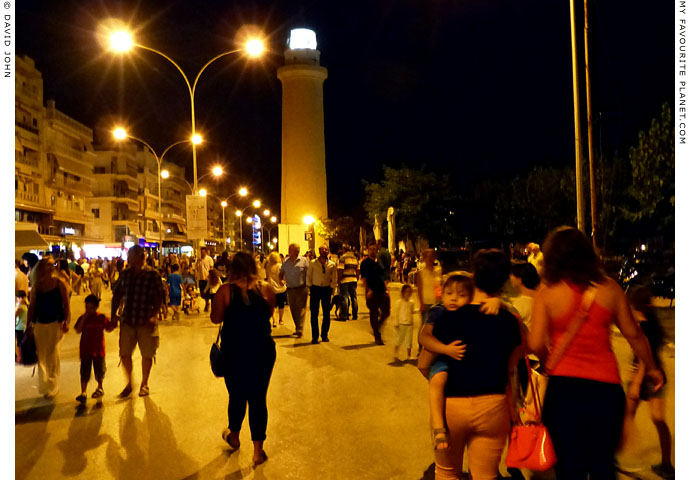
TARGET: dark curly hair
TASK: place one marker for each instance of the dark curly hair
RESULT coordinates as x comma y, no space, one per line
569,255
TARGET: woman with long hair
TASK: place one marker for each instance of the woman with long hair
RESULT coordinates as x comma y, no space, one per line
245,306
584,403
278,285
49,316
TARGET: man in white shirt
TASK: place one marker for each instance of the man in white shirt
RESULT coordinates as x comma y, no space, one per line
322,278
202,268
536,257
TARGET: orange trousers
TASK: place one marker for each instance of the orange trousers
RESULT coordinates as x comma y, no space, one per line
481,424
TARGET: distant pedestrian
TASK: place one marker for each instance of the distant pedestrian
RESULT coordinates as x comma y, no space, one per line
21,281
322,278
141,291
92,325
278,285
245,309
30,261
294,272
202,268
383,256
174,282
20,310
212,286
49,315
378,301
348,275
403,321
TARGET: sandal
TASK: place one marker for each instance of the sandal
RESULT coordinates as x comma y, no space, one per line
263,458
81,399
144,391
98,393
439,438
226,437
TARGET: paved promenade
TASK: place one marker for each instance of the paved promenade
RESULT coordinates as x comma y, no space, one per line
338,410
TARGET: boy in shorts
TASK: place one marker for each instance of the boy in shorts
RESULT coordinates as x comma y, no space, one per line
91,326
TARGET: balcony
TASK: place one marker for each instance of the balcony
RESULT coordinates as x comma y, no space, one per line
70,123
27,127
30,159
128,194
26,196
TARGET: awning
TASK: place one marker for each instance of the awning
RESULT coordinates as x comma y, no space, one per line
29,240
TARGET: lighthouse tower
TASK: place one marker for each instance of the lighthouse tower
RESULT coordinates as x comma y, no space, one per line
303,184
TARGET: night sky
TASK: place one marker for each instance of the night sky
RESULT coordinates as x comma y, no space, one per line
473,87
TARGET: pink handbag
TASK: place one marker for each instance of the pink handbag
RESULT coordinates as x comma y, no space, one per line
529,445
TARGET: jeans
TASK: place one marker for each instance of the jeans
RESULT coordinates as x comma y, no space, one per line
379,306
585,419
320,296
349,292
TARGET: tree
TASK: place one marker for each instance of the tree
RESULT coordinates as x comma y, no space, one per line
527,207
652,186
341,230
425,204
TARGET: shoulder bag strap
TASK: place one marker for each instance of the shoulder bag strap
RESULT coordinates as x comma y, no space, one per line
558,351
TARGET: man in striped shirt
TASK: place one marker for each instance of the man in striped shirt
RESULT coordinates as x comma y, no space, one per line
348,276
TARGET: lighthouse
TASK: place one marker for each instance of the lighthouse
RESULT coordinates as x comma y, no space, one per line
303,160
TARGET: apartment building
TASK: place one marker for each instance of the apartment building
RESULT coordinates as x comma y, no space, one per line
53,165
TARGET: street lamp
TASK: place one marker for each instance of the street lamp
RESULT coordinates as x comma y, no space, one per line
239,213
122,41
121,134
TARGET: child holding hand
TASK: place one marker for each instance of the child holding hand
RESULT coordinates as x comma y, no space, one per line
91,326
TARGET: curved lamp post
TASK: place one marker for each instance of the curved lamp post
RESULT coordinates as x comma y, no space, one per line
122,41
121,134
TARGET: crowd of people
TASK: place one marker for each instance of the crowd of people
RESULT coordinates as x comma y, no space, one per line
476,328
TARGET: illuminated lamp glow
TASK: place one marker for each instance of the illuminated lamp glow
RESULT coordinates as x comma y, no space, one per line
302,38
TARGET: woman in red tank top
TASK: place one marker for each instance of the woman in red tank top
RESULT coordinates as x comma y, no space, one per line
584,403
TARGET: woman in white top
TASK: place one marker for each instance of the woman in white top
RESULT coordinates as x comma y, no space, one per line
279,288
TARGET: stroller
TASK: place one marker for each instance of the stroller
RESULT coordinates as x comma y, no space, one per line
190,303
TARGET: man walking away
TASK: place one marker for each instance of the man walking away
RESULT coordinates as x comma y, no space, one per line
348,274
378,301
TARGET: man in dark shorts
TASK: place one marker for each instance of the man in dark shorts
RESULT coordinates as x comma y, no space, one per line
378,301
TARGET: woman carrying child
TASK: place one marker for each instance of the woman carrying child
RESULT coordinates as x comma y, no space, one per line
477,411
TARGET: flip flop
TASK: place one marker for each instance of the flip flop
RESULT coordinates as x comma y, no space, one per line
263,459
226,437
98,393
144,391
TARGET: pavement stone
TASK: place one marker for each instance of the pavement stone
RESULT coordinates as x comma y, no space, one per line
337,410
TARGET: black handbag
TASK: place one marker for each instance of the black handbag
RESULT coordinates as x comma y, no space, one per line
27,348
217,357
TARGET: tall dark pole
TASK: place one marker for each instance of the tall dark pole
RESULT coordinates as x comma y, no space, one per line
590,141
578,128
